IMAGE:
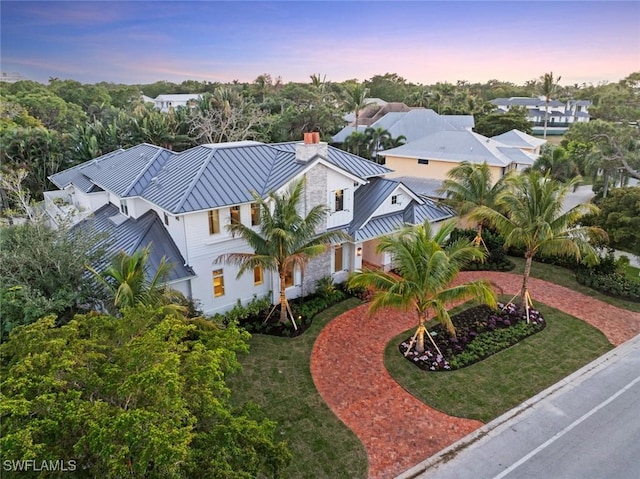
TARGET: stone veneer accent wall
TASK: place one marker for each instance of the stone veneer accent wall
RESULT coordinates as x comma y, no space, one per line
317,268
316,194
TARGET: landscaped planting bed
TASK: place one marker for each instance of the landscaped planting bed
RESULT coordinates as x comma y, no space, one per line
480,332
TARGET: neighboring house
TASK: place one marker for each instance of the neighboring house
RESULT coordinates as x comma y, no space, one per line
165,102
182,202
413,124
561,115
433,156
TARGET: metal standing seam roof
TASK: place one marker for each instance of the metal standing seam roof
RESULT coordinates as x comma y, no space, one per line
66,177
129,235
204,177
456,146
368,198
516,155
519,139
414,214
423,186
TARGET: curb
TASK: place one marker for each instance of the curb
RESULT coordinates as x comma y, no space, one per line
503,421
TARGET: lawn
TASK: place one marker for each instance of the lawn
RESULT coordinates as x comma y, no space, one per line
491,387
633,273
276,374
566,277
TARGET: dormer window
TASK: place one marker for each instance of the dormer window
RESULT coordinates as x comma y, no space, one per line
395,200
124,209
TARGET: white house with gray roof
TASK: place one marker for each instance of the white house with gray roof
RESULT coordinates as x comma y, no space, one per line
181,203
561,115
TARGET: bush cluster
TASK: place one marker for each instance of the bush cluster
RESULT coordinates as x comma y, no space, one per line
614,284
496,259
480,332
254,317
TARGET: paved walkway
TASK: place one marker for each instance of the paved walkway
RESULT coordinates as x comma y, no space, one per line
397,430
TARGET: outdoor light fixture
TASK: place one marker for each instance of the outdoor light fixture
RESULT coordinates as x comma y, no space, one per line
359,251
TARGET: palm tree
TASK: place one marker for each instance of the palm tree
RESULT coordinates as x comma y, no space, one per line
286,240
536,222
427,264
468,187
548,86
127,278
557,163
357,100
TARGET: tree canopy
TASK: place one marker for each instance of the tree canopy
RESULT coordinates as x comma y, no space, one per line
142,396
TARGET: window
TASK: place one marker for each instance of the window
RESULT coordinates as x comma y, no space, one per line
394,200
422,161
124,209
337,258
214,222
255,214
235,214
218,283
288,276
339,204
257,276
166,219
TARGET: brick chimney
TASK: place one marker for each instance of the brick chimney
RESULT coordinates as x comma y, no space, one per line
311,147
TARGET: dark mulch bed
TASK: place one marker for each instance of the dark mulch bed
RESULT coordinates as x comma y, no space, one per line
480,332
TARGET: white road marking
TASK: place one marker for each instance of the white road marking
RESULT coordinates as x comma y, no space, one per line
566,430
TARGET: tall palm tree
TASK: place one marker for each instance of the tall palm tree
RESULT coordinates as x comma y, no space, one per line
427,264
548,86
536,222
469,186
357,100
286,240
128,280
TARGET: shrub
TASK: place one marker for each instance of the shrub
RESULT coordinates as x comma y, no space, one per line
614,284
481,332
496,259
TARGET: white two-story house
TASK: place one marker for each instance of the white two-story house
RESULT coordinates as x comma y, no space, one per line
560,116
182,203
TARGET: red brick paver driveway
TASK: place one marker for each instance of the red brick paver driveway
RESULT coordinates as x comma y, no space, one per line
397,430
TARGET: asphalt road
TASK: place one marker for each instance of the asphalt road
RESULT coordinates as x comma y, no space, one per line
585,427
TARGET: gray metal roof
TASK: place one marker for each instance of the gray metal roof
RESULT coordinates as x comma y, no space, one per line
415,213
525,101
129,235
367,199
126,171
516,155
70,175
422,186
519,139
413,124
455,146
204,177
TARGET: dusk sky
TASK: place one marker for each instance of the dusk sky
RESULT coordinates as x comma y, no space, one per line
424,41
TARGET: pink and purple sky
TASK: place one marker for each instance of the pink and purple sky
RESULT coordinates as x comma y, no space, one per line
422,41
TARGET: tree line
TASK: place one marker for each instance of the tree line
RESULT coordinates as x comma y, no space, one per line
47,128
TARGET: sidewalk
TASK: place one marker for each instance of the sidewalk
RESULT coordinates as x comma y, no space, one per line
529,437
